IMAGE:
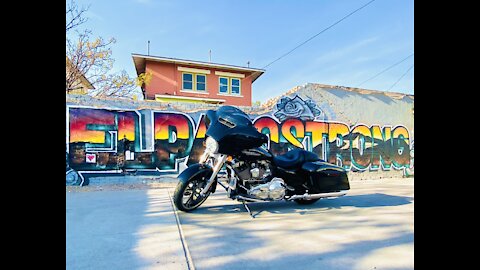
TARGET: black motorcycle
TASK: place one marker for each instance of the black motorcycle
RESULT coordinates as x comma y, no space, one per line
253,173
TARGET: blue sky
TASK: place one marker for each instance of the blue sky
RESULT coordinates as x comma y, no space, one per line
258,31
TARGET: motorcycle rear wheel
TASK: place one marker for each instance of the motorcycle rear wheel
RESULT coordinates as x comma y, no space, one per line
187,194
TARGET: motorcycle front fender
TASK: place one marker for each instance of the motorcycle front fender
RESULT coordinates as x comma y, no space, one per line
196,169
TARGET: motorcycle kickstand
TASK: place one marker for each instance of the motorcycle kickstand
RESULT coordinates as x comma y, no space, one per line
248,209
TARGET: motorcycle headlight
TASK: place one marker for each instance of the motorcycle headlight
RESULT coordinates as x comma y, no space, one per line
211,145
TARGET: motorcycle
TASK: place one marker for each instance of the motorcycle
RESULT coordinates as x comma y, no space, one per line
254,173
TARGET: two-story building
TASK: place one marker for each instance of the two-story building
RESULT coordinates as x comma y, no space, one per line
179,80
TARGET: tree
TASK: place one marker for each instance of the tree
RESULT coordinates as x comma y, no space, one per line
92,58
74,15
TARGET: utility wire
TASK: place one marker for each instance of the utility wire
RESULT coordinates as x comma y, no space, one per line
401,77
386,69
337,22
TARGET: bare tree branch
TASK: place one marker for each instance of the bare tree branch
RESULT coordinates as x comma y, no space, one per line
74,15
91,59
116,85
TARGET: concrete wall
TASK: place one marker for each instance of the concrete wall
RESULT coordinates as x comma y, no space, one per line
353,105
368,133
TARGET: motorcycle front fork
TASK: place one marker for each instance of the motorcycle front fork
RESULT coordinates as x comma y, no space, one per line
220,160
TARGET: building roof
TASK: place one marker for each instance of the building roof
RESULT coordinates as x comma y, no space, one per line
140,61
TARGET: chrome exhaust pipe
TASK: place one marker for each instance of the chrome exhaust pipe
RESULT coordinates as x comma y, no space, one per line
317,196
240,197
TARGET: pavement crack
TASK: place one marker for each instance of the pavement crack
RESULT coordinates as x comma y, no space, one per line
186,251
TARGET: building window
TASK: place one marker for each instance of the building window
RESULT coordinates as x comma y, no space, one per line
194,82
223,85
235,86
229,86
187,81
201,82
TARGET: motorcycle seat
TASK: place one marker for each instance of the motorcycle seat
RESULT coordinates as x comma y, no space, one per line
294,159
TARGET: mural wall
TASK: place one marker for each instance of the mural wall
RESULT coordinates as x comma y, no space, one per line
114,140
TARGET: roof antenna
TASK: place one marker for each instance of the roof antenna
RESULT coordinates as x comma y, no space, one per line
148,48
210,56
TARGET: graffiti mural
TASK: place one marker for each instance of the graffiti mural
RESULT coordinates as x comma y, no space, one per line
350,147
174,136
99,139
115,140
297,108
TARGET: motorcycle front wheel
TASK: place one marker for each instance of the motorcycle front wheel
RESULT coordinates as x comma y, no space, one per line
187,194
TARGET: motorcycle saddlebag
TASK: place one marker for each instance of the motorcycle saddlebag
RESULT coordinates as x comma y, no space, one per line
326,177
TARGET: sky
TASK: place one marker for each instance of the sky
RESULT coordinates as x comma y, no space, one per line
238,31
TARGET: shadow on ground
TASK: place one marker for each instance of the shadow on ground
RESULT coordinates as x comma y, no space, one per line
283,207
360,231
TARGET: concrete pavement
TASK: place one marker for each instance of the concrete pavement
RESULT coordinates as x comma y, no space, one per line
122,229
369,228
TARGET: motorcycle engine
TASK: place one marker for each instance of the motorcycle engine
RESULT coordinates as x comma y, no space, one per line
251,173
256,180
274,190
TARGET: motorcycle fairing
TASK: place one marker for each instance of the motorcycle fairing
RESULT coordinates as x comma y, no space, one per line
233,130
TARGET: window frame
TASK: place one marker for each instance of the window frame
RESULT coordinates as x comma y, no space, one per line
228,85
194,82
239,87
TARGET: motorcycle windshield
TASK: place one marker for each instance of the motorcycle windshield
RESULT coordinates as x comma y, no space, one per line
233,130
